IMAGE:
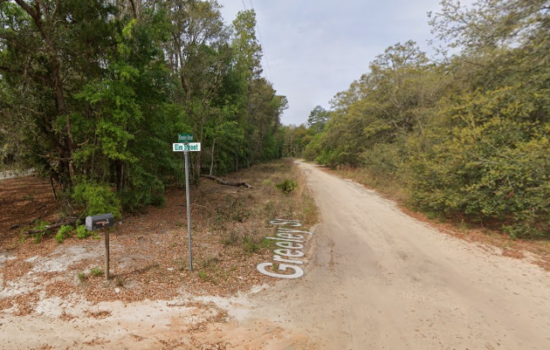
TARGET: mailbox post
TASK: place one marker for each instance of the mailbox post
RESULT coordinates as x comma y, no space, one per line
98,222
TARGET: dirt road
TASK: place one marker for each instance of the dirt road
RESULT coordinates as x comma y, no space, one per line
376,279
382,280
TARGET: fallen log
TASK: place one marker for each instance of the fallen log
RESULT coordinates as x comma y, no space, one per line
225,182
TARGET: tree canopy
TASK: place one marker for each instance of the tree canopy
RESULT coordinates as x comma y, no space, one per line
467,134
93,93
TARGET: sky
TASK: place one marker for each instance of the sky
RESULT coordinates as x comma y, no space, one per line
317,48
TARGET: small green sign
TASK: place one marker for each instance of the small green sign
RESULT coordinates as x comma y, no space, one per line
185,137
188,146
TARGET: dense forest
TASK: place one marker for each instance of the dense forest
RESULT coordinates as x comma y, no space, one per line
94,92
466,133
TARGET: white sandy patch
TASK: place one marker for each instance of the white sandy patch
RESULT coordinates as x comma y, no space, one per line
5,257
22,285
58,261
63,257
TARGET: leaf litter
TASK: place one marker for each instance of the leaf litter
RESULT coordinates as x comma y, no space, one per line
149,258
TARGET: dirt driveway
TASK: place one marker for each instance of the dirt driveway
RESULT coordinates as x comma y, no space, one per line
375,279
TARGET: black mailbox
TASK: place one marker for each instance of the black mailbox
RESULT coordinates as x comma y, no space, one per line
97,222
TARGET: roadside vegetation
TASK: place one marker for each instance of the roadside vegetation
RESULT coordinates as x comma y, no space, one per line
463,136
149,250
94,93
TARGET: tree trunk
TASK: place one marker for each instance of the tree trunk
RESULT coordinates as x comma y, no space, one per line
212,161
46,28
53,188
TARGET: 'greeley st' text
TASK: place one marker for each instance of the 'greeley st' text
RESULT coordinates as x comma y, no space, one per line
289,241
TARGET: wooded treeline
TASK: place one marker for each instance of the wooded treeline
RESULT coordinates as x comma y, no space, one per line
467,134
94,92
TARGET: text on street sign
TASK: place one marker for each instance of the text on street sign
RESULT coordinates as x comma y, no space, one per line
182,147
185,137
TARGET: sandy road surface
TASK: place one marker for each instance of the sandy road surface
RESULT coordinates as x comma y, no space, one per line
382,280
376,279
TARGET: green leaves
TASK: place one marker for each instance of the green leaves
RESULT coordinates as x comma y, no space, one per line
466,136
493,164
96,199
93,94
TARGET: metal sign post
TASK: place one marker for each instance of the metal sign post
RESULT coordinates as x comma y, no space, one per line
186,148
188,208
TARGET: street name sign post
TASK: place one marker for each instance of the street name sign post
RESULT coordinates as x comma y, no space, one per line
186,148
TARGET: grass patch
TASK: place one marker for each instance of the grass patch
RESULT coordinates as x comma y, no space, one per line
203,276
250,245
231,239
210,262
82,276
268,244
96,271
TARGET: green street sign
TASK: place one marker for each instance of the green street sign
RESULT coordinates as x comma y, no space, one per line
186,147
185,137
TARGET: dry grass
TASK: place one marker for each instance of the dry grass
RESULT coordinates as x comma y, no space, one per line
386,186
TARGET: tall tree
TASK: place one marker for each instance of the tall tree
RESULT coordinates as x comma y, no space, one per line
318,118
50,49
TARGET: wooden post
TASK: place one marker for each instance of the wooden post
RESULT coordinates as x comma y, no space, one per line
97,222
107,254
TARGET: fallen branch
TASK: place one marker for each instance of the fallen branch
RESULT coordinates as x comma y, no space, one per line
225,182
30,222
51,227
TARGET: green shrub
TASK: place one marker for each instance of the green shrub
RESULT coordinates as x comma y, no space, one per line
82,233
96,199
158,201
65,230
63,233
287,186
492,166
59,237
136,199
40,226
